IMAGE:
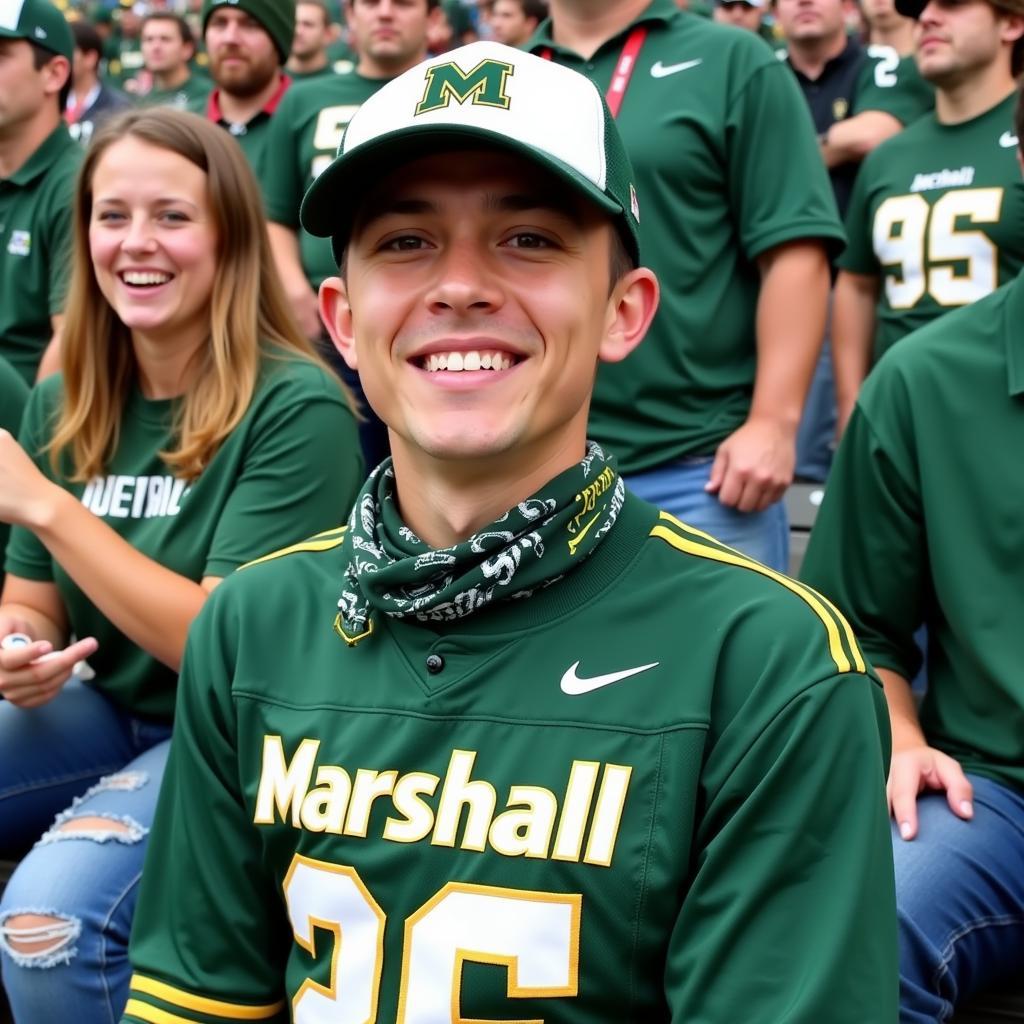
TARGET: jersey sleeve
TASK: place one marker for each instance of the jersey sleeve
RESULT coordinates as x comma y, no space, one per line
210,935
867,549
777,181
892,84
284,183
26,555
859,256
301,474
792,904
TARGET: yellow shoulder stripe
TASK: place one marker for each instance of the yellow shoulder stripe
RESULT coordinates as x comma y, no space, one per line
201,1004
321,542
831,618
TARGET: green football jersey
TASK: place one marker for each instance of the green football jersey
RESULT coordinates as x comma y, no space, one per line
194,90
272,479
305,133
933,451
13,395
653,791
727,167
938,214
892,84
35,249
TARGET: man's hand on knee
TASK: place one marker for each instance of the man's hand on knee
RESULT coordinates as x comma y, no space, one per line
918,769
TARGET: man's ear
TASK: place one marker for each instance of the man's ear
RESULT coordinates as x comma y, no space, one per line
57,71
631,308
336,313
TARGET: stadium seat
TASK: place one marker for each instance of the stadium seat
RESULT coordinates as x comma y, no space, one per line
802,502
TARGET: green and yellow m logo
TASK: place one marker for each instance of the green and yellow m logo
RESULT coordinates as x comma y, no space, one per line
484,85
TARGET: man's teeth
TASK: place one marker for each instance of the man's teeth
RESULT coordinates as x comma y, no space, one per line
458,361
135,278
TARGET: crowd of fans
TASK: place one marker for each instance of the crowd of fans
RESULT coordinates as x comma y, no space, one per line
817,182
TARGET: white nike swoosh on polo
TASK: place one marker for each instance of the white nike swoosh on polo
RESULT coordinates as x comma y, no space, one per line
660,70
574,686
1007,140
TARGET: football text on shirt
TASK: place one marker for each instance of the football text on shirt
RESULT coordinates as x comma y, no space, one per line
531,824
134,497
945,178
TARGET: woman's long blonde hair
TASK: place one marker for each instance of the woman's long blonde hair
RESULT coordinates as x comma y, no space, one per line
249,314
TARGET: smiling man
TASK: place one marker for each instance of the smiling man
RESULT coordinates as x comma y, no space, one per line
512,744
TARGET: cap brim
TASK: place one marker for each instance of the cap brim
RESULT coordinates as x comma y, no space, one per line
329,207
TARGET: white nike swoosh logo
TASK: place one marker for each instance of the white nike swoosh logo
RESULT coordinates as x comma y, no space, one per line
664,70
574,686
1007,140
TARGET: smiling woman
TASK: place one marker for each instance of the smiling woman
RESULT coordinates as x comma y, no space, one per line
184,438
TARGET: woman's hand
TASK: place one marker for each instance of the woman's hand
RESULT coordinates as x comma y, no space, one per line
24,491
33,674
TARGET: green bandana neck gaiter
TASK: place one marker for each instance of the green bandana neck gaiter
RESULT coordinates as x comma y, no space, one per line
390,570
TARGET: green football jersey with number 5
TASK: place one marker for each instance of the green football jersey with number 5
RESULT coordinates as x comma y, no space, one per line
653,791
304,136
938,214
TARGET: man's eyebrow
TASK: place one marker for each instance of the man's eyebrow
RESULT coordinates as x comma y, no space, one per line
524,202
517,202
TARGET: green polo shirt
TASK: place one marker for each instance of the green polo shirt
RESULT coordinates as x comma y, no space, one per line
921,523
13,395
193,91
698,834
253,136
35,234
292,465
937,214
727,168
305,134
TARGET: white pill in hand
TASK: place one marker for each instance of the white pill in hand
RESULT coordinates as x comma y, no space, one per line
15,640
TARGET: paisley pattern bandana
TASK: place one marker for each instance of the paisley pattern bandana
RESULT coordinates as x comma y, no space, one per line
390,570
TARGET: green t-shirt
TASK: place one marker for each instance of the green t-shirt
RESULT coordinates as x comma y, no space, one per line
715,797
342,57
311,76
921,523
306,132
35,249
126,61
938,214
727,167
292,465
192,93
892,84
13,395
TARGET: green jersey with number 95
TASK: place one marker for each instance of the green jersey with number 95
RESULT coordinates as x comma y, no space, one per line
305,134
938,214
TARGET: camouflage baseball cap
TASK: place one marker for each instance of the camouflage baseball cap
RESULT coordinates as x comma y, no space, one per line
39,22
482,93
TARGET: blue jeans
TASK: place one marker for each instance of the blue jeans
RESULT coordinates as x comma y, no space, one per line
679,488
816,435
78,756
960,898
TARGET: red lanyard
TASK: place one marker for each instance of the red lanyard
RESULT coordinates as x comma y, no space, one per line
623,69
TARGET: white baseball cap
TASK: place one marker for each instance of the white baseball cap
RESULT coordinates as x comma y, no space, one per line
484,92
